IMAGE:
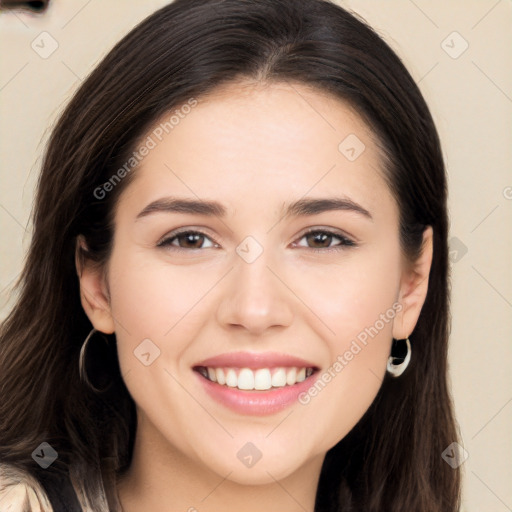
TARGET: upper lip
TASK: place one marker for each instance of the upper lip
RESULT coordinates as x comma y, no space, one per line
255,360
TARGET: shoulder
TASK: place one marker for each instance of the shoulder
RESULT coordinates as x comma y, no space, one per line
21,492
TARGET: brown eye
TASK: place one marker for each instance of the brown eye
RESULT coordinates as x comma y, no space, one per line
321,240
185,240
191,240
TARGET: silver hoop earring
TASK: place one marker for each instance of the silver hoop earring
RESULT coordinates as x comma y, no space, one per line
397,365
81,364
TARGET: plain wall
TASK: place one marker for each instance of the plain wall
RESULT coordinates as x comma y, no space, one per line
470,95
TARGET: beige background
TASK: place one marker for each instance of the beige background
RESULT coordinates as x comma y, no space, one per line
471,99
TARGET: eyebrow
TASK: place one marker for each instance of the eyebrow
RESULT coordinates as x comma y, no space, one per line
302,207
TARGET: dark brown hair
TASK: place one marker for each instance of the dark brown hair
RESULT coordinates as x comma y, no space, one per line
391,460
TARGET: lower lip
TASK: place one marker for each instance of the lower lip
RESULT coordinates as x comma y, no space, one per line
256,403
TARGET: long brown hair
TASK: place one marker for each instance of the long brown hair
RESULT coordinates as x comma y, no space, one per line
391,460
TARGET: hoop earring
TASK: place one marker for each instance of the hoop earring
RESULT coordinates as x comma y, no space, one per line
81,364
397,365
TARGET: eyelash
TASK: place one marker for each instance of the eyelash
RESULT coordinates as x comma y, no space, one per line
345,241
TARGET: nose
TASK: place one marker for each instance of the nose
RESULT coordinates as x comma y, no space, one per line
256,298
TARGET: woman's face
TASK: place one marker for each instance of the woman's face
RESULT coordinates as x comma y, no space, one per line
233,287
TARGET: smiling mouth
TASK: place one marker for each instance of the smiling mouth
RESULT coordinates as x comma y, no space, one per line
261,379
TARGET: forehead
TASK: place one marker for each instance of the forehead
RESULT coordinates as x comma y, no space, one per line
274,141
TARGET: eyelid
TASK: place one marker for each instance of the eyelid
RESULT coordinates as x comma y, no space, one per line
182,231
331,231
346,240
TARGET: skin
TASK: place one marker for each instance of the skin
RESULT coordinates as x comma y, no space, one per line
253,148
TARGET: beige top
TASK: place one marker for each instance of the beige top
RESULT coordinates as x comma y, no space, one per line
21,492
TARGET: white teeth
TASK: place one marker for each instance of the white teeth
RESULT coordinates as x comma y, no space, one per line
260,379
279,378
231,378
246,379
291,375
211,374
221,378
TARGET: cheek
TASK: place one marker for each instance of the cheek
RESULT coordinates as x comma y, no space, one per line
157,308
150,297
358,303
152,304
352,294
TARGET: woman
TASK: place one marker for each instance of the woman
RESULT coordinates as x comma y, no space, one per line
236,295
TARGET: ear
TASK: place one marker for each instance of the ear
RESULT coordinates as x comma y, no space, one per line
413,288
93,290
